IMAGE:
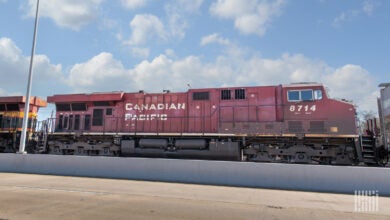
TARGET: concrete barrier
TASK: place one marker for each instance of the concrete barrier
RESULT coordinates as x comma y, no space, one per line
338,179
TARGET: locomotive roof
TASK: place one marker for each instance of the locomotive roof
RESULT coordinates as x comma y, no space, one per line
300,84
100,96
22,99
117,96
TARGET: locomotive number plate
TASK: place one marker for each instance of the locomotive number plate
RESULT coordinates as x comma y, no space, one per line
307,109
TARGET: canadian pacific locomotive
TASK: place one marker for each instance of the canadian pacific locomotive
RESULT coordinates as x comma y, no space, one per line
294,123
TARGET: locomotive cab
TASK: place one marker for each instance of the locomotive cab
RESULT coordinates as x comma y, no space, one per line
308,110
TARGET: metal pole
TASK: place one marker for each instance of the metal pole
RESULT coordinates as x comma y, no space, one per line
28,93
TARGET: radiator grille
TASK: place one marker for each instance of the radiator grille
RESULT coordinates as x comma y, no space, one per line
317,126
295,126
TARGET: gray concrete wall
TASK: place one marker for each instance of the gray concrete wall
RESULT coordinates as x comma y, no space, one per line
265,175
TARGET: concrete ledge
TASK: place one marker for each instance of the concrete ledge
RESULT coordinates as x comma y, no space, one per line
265,175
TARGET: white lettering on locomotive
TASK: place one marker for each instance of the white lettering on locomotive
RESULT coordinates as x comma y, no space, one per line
146,117
158,106
151,107
303,108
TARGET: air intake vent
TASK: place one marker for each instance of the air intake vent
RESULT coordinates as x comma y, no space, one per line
295,126
317,126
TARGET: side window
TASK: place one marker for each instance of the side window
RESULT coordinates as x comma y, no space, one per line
12,107
76,122
87,122
307,95
62,107
239,94
226,95
200,96
293,96
97,117
109,111
79,106
317,94
303,95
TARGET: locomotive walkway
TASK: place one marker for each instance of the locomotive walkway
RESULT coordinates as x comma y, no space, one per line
30,196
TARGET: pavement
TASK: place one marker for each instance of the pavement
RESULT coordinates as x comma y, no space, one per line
30,196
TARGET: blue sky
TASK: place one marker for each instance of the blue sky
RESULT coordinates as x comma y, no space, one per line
128,45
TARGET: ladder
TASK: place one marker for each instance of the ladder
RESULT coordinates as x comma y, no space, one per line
368,147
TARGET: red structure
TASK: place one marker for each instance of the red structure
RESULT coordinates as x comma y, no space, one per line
293,123
276,110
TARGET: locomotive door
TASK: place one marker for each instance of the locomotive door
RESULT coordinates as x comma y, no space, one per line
200,112
200,117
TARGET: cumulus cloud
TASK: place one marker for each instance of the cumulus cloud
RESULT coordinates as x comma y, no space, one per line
104,73
14,70
253,17
145,27
367,8
163,29
214,38
133,4
343,81
177,15
99,73
167,71
71,14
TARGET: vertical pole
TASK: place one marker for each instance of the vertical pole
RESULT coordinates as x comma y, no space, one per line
28,93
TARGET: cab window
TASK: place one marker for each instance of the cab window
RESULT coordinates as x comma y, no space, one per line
304,95
293,96
317,94
307,95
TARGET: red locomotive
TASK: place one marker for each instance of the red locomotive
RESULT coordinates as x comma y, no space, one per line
284,123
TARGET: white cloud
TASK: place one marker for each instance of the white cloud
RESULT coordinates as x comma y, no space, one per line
104,73
148,27
145,27
71,14
15,66
140,52
367,8
177,15
133,4
251,17
214,38
354,83
189,6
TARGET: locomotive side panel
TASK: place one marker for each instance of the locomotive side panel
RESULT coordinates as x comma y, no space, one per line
202,111
249,110
155,113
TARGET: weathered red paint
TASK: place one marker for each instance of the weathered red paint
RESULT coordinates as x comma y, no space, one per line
260,110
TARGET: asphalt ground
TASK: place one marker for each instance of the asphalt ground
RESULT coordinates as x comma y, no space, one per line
29,196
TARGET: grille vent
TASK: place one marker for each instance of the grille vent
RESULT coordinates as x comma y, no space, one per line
317,126
295,126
